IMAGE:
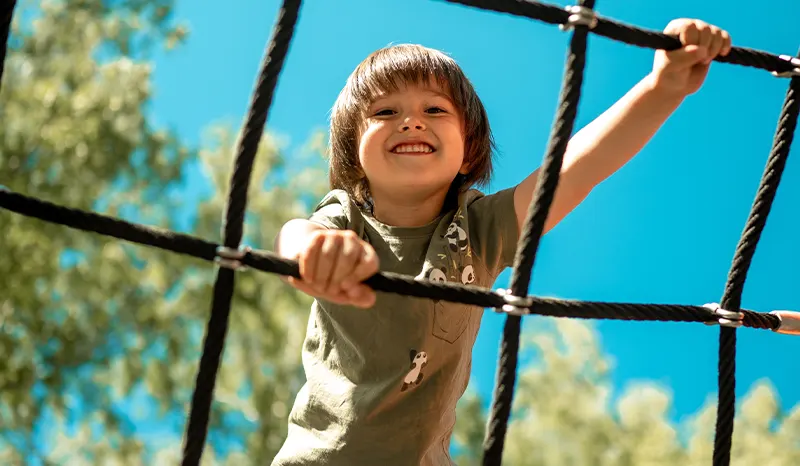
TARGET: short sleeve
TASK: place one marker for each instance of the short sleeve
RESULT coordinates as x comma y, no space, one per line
331,217
336,211
493,229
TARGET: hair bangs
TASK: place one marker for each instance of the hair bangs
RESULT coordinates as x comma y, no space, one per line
390,69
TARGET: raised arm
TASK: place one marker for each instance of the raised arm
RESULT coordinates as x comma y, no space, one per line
615,137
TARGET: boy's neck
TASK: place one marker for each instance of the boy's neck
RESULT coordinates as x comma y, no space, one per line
408,211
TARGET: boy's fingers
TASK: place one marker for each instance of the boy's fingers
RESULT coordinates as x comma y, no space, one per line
327,261
717,43
335,297
725,40
705,36
689,35
307,260
688,56
348,256
365,268
699,33
361,296
302,286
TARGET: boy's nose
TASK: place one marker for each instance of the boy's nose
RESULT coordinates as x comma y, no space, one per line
411,122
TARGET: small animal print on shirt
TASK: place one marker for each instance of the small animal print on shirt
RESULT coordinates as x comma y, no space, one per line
456,237
414,376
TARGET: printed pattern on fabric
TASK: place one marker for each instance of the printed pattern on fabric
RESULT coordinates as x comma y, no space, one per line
452,263
414,377
382,384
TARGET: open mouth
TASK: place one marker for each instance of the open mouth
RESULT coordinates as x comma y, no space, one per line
413,148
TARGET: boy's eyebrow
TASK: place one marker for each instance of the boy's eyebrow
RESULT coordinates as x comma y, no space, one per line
379,99
442,94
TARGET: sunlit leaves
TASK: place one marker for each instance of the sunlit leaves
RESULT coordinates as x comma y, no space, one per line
100,339
566,413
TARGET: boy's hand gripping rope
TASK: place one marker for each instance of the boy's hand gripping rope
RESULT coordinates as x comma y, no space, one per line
230,256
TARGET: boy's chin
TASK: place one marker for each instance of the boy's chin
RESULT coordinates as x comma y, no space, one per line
414,188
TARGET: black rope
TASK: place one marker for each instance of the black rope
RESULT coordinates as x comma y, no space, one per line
107,226
745,250
389,282
217,326
546,185
197,426
554,14
6,13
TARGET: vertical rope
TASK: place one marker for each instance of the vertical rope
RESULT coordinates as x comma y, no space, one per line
6,15
217,326
529,241
745,250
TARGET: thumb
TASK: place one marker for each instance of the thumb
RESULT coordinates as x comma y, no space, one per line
688,56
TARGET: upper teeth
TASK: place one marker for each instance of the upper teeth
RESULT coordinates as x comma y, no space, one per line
413,148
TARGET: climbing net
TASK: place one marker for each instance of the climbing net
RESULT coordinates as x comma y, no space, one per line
514,302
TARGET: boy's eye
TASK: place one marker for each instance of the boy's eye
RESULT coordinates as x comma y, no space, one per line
385,112
437,110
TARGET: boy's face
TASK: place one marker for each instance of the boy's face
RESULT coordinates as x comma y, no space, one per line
412,143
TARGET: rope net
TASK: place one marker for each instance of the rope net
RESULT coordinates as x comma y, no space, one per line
581,20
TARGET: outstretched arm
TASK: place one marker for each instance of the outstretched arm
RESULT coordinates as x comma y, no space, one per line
610,141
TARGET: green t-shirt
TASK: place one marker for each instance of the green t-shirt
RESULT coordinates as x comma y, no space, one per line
382,383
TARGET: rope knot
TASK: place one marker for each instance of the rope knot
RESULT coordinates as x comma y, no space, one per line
725,318
579,16
794,72
231,258
515,305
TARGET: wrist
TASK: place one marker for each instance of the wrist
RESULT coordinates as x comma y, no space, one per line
658,86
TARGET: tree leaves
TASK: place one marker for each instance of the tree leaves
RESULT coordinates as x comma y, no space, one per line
564,413
101,339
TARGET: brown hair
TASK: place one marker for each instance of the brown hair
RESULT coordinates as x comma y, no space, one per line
386,70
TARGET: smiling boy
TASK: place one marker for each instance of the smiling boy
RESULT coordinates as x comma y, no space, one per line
409,141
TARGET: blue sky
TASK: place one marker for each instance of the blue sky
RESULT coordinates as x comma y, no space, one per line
661,230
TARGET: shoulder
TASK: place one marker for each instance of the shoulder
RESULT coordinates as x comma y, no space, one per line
476,201
490,220
337,210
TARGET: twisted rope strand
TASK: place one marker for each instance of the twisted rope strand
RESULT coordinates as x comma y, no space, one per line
217,326
632,35
269,262
745,250
6,14
529,241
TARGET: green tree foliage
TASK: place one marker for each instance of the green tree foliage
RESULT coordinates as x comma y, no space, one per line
98,337
564,413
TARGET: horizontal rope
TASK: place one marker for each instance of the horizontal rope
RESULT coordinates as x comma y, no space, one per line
554,14
383,281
